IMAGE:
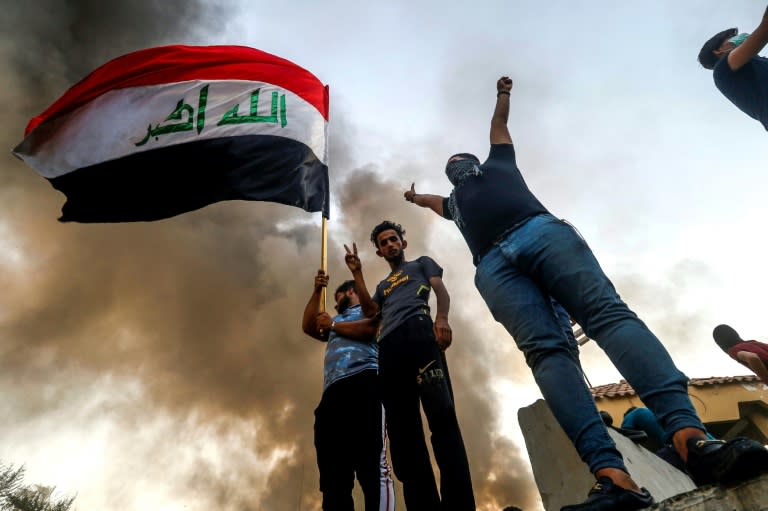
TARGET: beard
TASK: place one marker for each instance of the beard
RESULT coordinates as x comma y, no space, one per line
396,259
343,304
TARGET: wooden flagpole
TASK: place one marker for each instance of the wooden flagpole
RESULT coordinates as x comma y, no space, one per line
324,260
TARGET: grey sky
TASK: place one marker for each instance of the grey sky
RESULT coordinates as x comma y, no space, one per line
167,359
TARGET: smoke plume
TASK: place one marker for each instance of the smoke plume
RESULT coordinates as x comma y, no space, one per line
178,343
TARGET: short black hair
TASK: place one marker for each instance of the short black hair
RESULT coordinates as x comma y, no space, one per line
345,286
385,226
707,57
466,156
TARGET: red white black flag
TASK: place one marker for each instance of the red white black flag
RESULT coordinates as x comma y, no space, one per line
168,130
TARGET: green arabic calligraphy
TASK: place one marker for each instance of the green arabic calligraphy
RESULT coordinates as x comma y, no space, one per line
232,116
182,118
178,115
201,102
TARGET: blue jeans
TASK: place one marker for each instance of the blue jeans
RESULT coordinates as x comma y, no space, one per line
544,258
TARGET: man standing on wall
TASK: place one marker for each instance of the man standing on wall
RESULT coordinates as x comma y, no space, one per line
525,257
349,422
413,369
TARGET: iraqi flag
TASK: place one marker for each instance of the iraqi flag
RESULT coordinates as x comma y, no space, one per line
168,130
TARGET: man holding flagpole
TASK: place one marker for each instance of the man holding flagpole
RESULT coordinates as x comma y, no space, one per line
350,437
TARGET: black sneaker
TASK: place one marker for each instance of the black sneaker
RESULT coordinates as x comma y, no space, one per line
716,461
606,496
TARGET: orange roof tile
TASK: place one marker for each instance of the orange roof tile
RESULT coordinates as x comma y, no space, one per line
623,388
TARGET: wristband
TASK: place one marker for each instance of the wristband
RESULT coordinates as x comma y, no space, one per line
333,324
502,92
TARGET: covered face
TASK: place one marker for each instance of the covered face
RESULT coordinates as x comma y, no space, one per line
707,56
461,166
738,39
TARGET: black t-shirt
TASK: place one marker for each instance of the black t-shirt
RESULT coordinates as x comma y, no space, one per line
405,292
494,201
747,87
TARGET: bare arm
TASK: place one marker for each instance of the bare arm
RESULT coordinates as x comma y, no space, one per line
751,46
754,363
313,308
425,200
443,332
363,330
368,306
499,131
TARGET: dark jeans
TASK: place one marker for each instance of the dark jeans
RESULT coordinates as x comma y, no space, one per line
412,369
349,441
544,258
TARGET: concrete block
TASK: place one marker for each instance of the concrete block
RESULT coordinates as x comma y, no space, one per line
748,496
561,476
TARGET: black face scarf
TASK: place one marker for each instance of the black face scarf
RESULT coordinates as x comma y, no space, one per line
458,173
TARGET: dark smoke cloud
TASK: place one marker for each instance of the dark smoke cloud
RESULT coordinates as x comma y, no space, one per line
204,309
55,43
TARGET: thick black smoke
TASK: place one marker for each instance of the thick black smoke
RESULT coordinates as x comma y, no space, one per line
202,310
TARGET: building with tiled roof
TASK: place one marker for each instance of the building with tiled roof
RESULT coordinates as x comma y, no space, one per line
729,405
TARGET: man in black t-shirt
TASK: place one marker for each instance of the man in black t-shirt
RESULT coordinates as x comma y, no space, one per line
739,73
525,258
413,370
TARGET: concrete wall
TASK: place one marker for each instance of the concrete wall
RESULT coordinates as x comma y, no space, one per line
561,476
749,496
